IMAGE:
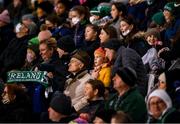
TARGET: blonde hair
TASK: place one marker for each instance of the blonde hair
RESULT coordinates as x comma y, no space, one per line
51,43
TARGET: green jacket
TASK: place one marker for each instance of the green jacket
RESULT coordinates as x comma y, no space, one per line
131,103
171,116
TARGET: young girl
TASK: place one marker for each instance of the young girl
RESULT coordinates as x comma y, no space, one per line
150,59
101,70
79,19
91,41
107,33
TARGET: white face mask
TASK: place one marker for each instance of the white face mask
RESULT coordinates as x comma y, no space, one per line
17,29
92,19
126,33
75,20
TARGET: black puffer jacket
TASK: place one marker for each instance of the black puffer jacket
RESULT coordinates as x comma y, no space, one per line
14,55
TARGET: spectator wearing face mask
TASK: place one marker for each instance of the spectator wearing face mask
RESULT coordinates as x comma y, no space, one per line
14,55
133,38
79,19
118,12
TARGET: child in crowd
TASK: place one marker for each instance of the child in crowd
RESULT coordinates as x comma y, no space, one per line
102,71
94,92
150,59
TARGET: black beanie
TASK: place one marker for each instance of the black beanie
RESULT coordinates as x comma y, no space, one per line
128,75
61,104
105,115
112,44
66,43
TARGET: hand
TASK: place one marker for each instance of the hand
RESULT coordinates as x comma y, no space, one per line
84,116
95,74
36,69
60,52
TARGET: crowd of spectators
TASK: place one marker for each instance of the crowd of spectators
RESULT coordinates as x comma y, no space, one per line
106,61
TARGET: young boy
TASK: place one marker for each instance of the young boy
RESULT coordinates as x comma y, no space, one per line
94,92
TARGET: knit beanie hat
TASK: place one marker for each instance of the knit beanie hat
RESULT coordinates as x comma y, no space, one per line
100,51
105,115
170,7
128,75
4,16
154,32
66,43
112,44
158,18
162,94
61,104
33,41
28,16
83,57
101,10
